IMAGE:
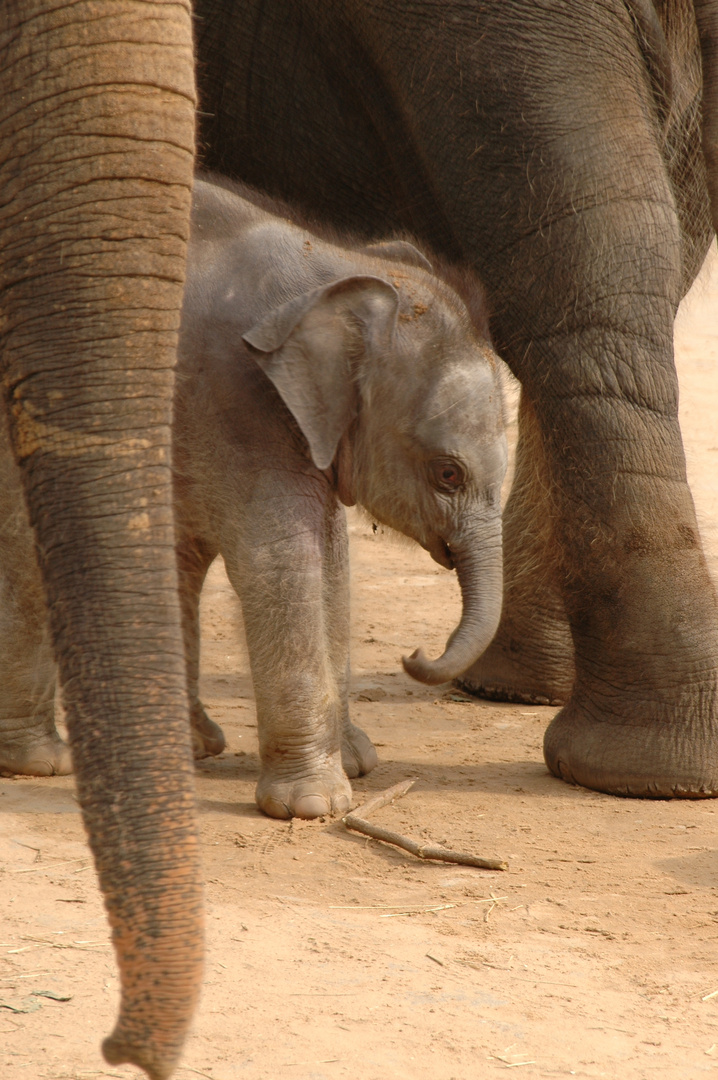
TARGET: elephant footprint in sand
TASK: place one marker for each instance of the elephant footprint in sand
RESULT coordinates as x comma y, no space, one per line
311,375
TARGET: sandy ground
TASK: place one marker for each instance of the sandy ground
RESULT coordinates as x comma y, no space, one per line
331,956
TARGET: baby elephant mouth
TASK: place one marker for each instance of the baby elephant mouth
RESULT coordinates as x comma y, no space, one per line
440,552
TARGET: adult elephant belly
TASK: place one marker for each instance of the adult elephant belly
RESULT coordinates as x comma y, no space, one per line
555,151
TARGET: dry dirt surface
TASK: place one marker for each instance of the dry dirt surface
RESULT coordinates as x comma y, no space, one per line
333,956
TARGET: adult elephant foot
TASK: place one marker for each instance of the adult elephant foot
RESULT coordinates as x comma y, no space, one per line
34,752
359,756
207,737
529,667
647,760
530,659
642,719
309,793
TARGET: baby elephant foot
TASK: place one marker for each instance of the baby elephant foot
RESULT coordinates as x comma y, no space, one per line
207,737
310,794
358,753
45,755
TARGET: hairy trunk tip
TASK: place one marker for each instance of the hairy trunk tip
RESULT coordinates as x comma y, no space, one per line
119,1051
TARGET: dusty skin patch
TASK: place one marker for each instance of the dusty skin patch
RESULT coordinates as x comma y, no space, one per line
330,956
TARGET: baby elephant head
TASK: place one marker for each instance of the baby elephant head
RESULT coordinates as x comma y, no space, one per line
390,386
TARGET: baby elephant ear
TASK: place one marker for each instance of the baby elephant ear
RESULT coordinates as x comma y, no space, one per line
400,251
307,348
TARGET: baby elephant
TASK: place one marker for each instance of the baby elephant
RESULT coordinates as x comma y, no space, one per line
310,375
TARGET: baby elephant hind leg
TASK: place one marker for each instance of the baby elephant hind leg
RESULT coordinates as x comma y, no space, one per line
29,742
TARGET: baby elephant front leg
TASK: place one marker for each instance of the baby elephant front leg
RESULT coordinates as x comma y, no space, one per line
299,708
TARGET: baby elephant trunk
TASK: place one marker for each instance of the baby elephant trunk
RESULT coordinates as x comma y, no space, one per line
478,561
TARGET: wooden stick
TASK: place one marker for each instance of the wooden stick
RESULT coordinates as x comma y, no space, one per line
382,798
422,851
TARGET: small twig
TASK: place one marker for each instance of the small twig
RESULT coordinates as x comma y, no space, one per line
49,866
422,851
321,1061
39,943
396,910
383,798
37,850
417,911
494,902
511,1064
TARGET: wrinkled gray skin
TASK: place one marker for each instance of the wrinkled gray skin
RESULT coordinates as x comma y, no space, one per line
29,741
97,120
310,374
568,153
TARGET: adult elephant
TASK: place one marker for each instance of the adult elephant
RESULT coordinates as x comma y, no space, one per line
554,148
96,160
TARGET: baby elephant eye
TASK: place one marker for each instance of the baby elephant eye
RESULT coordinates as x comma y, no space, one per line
447,475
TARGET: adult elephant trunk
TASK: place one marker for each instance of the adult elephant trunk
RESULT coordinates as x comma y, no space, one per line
96,162
707,20
478,560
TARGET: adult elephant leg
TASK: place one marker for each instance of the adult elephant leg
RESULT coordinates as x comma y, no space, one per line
96,161
531,657
642,719
559,195
29,742
526,142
